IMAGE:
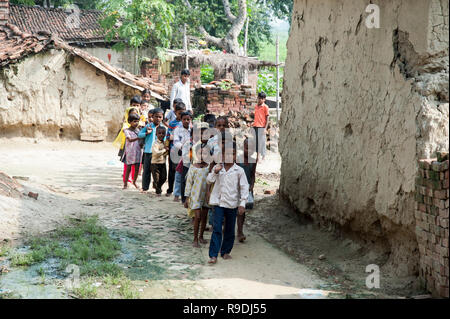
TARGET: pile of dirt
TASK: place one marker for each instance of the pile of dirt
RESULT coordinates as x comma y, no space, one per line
9,187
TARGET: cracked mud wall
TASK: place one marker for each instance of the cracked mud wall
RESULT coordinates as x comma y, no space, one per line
56,95
360,106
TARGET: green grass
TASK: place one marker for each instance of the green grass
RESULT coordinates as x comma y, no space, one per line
4,250
83,243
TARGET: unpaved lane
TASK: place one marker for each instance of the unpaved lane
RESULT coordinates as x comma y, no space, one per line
85,178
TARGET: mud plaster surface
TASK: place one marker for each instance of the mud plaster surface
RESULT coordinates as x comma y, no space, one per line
360,106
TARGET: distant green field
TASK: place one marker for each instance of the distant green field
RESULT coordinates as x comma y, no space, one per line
269,51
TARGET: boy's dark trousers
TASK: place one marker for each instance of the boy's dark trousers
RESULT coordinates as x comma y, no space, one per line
216,244
172,171
146,172
183,182
159,173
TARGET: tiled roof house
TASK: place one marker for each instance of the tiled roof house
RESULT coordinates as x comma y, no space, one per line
78,28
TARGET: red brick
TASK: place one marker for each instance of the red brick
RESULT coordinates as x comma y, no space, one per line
441,194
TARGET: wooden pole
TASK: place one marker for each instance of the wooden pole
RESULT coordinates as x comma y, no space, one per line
246,37
185,47
278,77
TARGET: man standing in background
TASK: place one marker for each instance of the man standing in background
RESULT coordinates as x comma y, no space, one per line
182,90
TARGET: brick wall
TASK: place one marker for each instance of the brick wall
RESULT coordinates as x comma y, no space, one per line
217,101
4,11
169,76
432,208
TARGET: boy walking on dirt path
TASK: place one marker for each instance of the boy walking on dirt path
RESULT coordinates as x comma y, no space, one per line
260,124
229,196
149,134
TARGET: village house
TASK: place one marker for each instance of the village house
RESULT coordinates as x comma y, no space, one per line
49,88
79,28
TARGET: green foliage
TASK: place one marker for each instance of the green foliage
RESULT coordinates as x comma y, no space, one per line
206,74
267,82
282,9
211,15
138,22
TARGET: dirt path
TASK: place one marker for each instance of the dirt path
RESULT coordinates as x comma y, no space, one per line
74,178
280,258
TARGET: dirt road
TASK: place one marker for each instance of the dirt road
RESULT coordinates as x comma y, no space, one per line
74,178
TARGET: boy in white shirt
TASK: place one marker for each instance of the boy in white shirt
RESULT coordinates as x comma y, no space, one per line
183,141
229,197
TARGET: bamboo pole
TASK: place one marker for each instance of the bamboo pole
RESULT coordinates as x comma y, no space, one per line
185,46
278,77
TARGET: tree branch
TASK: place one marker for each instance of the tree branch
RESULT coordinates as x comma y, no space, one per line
208,37
239,22
227,8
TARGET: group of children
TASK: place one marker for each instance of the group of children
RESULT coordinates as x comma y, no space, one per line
202,170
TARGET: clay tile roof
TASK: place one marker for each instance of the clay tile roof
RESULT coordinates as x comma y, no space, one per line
15,45
35,19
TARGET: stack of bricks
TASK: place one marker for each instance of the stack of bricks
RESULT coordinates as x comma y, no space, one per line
151,69
432,208
4,11
219,101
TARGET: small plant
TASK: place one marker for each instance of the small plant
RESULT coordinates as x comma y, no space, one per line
206,74
18,259
225,85
4,250
267,82
86,291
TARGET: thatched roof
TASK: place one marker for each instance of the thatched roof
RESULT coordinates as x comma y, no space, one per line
220,60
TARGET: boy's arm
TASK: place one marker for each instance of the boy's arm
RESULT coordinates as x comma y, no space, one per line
267,117
253,178
176,140
243,186
143,132
212,177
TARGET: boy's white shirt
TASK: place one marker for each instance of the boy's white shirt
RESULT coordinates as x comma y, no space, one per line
231,187
181,140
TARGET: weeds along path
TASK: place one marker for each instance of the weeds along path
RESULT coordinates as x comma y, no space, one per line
84,179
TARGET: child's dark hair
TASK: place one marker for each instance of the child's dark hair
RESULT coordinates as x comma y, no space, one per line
158,110
145,101
222,118
187,113
136,99
185,72
262,95
177,101
180,106
133,117
145,91
160,128
152,111
133,109
209,118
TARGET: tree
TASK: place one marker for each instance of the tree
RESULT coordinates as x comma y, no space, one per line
138,22
229,41
282,9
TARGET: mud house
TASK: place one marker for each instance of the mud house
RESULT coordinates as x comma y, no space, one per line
79,28
50,88
361,106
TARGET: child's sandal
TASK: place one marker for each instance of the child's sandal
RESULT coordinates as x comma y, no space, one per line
212,260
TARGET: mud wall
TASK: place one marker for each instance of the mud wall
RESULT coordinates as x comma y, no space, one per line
56,95
360,107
